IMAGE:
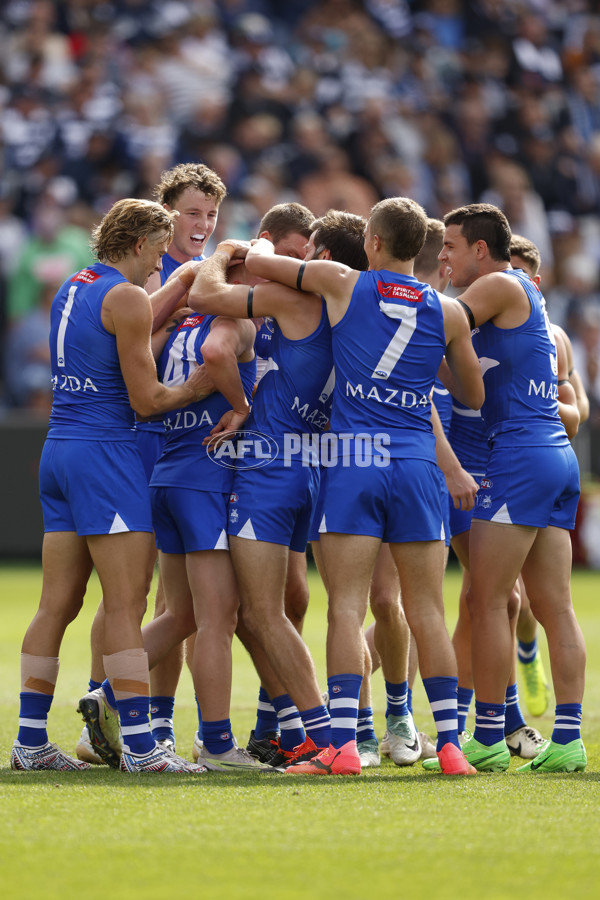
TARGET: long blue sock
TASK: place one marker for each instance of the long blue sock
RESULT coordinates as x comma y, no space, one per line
409,700
463,702
441,693
317,725
217,735
291,732
266,718
108,693
344,691
567,723
161,711
33,718
489,722
364,725
397,697
134,716
200,723
94,685
513,717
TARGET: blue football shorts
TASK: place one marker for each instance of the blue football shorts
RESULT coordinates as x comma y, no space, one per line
274,503
93,487
535,486
187,520
150,444
398,503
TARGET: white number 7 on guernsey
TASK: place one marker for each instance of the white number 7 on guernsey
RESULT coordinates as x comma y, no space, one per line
398,343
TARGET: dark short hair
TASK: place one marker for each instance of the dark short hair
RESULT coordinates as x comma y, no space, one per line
343,234
125,223
287,218
401,225
483,222
173,182
527,251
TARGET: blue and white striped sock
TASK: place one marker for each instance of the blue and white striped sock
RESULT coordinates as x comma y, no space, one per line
291,730
489,722
567,723
463,702
134,716
217,735
397,697
409,700
513,716
161,712
317,725
364,725
527,650
344,691
33,718
441,693
266,717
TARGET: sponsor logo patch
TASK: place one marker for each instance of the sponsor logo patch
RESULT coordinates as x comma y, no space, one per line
399,292
86,276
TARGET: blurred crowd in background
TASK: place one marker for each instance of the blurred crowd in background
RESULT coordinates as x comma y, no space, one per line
334,103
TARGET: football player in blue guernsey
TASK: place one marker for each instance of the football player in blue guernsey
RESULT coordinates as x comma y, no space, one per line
389,335
93,488
527,501
195,192
190,519
388,638
271,505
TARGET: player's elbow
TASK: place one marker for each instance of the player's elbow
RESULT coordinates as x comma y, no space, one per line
475,396
214,354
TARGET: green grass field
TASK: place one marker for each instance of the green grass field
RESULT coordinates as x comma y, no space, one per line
388,833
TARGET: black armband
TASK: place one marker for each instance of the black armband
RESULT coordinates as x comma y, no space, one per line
250,301
469,313
300,276
563,381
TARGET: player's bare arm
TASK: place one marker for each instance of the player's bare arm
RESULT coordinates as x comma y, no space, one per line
461,372
173,293
127,313
583,403
568,409
296,313
462,487
496,297
333,281
230,341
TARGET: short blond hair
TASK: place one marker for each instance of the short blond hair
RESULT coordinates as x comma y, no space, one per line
527,251
126,223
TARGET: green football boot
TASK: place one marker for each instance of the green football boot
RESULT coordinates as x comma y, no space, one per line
569,757
485,759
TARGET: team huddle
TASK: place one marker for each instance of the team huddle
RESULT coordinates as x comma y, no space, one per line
315,384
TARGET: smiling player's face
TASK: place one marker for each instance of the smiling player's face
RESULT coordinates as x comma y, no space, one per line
198,214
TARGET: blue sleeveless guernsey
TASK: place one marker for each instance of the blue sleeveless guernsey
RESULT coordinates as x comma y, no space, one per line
387,350
294,393
169,265
90,398
184,461
520,377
